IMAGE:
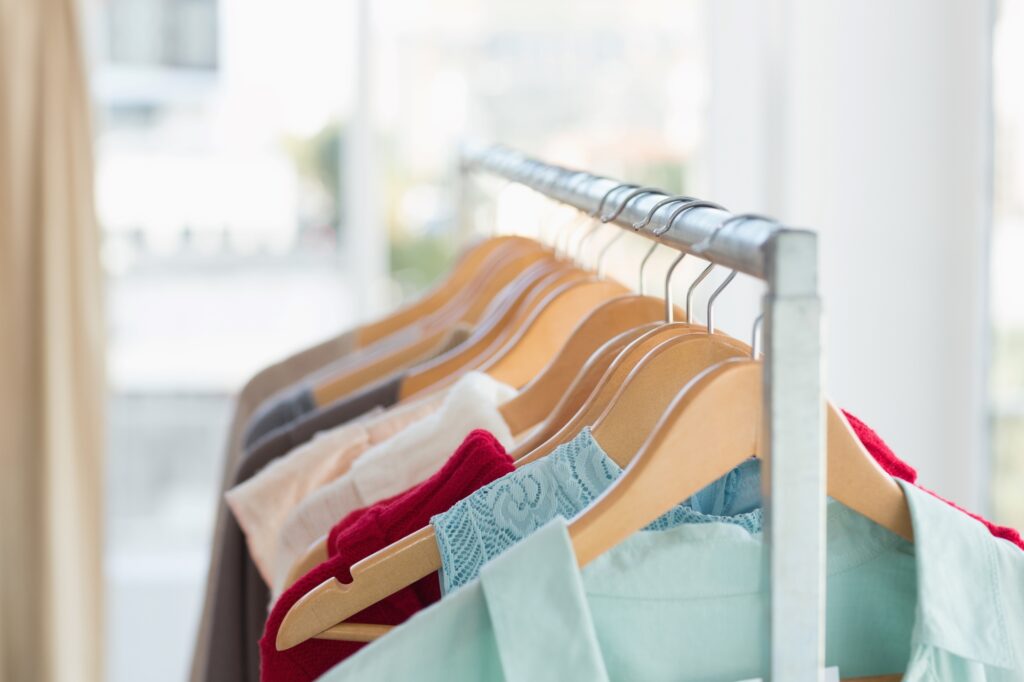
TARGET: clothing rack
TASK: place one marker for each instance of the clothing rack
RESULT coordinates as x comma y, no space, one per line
794,474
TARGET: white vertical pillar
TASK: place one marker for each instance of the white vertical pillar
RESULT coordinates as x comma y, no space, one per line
364,238
876,133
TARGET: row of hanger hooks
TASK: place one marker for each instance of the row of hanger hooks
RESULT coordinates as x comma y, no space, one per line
547,180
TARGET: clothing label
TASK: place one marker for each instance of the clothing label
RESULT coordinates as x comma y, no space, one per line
831,675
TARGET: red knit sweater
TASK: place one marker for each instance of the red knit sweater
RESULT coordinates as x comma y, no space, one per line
478,461
897,468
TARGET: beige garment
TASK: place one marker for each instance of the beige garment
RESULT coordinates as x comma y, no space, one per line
52,388
262,503
330,356
263,385
396,464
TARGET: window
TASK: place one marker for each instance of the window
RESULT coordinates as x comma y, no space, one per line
1007,279
168,33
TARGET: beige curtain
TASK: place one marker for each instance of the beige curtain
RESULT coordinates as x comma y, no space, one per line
51,352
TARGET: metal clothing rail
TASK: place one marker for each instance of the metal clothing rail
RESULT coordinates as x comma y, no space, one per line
794,472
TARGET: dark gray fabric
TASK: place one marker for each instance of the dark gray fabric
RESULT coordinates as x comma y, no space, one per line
279,410
238,594
287,406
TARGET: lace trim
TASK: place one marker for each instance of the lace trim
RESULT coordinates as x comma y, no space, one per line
502,513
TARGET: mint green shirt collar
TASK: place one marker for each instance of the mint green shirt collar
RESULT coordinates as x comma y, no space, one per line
521,591
970,587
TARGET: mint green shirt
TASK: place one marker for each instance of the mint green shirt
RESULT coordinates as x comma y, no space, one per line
687,604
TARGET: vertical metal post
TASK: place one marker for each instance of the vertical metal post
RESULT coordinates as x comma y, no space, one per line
794,481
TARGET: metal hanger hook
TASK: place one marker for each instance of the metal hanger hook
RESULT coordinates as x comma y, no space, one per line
755,336
644,223
700,247
654,209
691,204
689,292
635,194
714,295
570,228
705,244
669,312
643,264
596,215
639,192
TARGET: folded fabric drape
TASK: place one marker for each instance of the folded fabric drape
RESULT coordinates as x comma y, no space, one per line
51,352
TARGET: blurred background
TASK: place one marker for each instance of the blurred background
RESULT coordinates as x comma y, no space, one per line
267,173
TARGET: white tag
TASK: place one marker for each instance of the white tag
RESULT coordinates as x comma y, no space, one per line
831,675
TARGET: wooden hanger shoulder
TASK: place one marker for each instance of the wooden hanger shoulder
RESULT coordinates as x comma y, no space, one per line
491,330
481,298
857,480
549,327
653,384
576,395
539,397
465,269
341,385
473,301
711,427
336,386
595,402
537,298
376,577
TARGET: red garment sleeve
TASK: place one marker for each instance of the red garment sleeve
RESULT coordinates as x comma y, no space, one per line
478,461
897,468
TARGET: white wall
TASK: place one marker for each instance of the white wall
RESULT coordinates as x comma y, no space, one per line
870,122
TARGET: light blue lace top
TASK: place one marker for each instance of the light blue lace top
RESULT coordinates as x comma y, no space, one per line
497,516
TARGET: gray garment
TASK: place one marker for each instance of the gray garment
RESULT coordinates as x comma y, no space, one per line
237,598
285,407
263,385
281,410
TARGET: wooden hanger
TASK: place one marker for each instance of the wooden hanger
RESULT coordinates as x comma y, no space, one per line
584,383
466,268
582,386
481,298
546,331
572,412
467,309
712,427
608,320
582,407
651,386
492,332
